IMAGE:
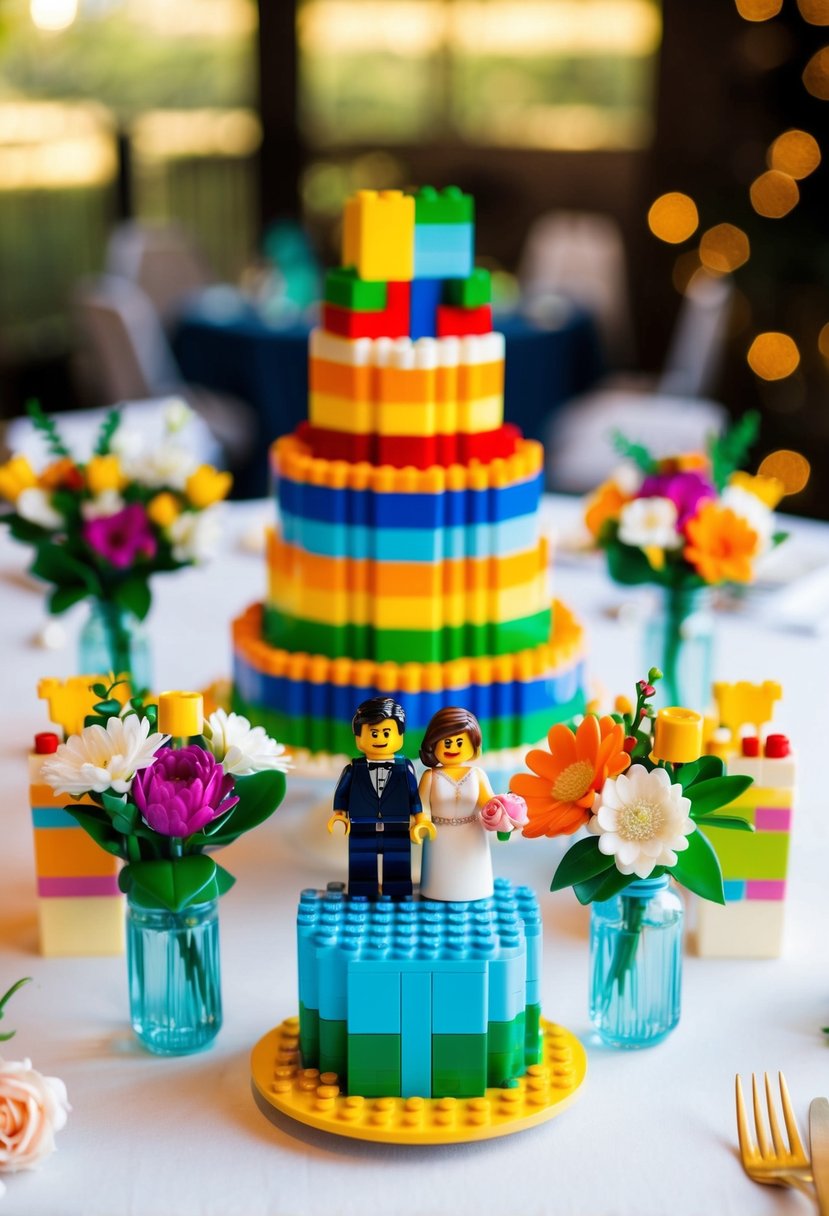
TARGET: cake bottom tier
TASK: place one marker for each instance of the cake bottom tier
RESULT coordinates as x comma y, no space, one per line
307,701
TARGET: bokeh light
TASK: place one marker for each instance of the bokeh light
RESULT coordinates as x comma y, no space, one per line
686,266
816,12
673,217
773,356
788,467
723,248
758,10
773,194
816,74
796,153
823,341
53,14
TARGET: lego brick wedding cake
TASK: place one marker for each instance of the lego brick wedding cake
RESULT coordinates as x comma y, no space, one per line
409,558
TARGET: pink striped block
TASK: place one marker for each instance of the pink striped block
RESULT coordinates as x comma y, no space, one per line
58,888
761,889
773,819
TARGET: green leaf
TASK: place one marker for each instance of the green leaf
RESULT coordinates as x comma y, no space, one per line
698,869
54,565
171,884
704,769
47,428
579,863
100,690
134,593
259,796
635,452
629,566
108,428
729,450
603,886
24,531
707,796
63,598
224,879
734,822
113,804
97,824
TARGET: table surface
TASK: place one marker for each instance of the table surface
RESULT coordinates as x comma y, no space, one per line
652,1132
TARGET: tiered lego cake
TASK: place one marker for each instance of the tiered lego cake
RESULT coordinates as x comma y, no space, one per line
409,559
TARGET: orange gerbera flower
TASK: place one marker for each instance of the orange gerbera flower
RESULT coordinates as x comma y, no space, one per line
560,796
721,545
62,474
603,504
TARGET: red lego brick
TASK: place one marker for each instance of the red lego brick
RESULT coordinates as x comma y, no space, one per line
326,444
400,451
458,322
391,322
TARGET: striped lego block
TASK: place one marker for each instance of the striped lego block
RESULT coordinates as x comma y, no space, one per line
80,908
420,452
414,419
417,989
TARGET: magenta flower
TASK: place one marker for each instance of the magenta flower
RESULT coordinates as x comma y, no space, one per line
182,790
122,537
685,490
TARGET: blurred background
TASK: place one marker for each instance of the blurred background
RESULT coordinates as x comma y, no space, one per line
648,179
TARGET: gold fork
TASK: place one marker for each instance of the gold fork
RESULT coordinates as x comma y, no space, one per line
778,1163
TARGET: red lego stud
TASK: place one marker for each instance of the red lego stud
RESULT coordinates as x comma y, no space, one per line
777,747
750,745
46,743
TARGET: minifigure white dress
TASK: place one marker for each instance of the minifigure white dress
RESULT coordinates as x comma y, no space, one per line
457,863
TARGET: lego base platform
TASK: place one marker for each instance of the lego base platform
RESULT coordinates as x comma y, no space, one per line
315,1099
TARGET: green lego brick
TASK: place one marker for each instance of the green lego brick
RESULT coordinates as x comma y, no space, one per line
505,1050
743,855
374,1065
503,1036
329,735
418,645
469,293
458,1065
533,1047
447,206
309,1036
333,1040
345,288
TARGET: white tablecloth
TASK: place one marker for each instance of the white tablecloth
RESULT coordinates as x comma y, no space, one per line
652,1132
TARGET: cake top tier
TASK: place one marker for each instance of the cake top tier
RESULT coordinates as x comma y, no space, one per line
408,268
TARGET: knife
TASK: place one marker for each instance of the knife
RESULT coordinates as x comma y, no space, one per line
819,1138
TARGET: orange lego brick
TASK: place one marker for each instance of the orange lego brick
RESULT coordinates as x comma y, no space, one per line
70,853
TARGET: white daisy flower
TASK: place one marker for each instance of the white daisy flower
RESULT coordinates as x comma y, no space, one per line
35,506
649,523
195,535
241,748
177,415
101,759
108,502
753,510
642,820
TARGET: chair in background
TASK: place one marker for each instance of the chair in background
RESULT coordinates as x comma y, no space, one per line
125,356
668,414
580,256
163,260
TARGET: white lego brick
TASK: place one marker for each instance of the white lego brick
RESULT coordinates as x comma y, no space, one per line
748,928
356,352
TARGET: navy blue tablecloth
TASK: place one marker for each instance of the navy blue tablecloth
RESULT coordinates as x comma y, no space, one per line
241,354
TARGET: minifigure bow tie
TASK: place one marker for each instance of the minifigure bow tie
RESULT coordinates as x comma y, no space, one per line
380,764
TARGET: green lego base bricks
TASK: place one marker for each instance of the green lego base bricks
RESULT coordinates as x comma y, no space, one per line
309,1032
534,1035
448,206
333,1038
373,1064
458,1065
418,645
336,738
473,292
346,289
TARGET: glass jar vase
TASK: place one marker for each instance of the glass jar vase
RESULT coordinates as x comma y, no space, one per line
114,640
174,976
636,964
679,640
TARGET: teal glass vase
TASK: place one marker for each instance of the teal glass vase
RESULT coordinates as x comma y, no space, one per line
679,640
114,640
636,964
174,976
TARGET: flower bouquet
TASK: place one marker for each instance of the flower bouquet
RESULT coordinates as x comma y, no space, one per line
164,809
101,529
685,524
637,782
32,1108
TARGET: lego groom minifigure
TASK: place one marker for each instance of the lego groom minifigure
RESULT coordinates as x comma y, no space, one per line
376,800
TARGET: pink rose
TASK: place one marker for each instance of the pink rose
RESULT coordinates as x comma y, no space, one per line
504,812
32,1109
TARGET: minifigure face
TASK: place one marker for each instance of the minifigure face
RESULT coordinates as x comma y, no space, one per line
455,749
382,739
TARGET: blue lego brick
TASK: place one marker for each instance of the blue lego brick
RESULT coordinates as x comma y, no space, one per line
532,992
444,251
734,890
373,1001
52,817
419,545
425,296
459,1002
416,1035
507,987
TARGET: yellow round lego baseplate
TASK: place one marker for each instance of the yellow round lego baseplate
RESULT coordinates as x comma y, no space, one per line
315,1098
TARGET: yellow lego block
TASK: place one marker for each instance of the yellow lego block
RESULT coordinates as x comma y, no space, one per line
378,235
71,700
72,927
746,704
483,414
480,380
409,419
342,414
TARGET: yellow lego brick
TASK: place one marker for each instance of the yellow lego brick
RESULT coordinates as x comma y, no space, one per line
315,1099
409,419
378,235
748,928
483,414
72,927
744,703
71,700
342,414
761,795
480,380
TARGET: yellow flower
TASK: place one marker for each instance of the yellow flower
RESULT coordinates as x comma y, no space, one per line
104,473
623,705
655,555
207,485
163,509
16,475
604,504
768,489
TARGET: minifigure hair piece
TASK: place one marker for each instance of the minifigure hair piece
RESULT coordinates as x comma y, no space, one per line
447,722
374,711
